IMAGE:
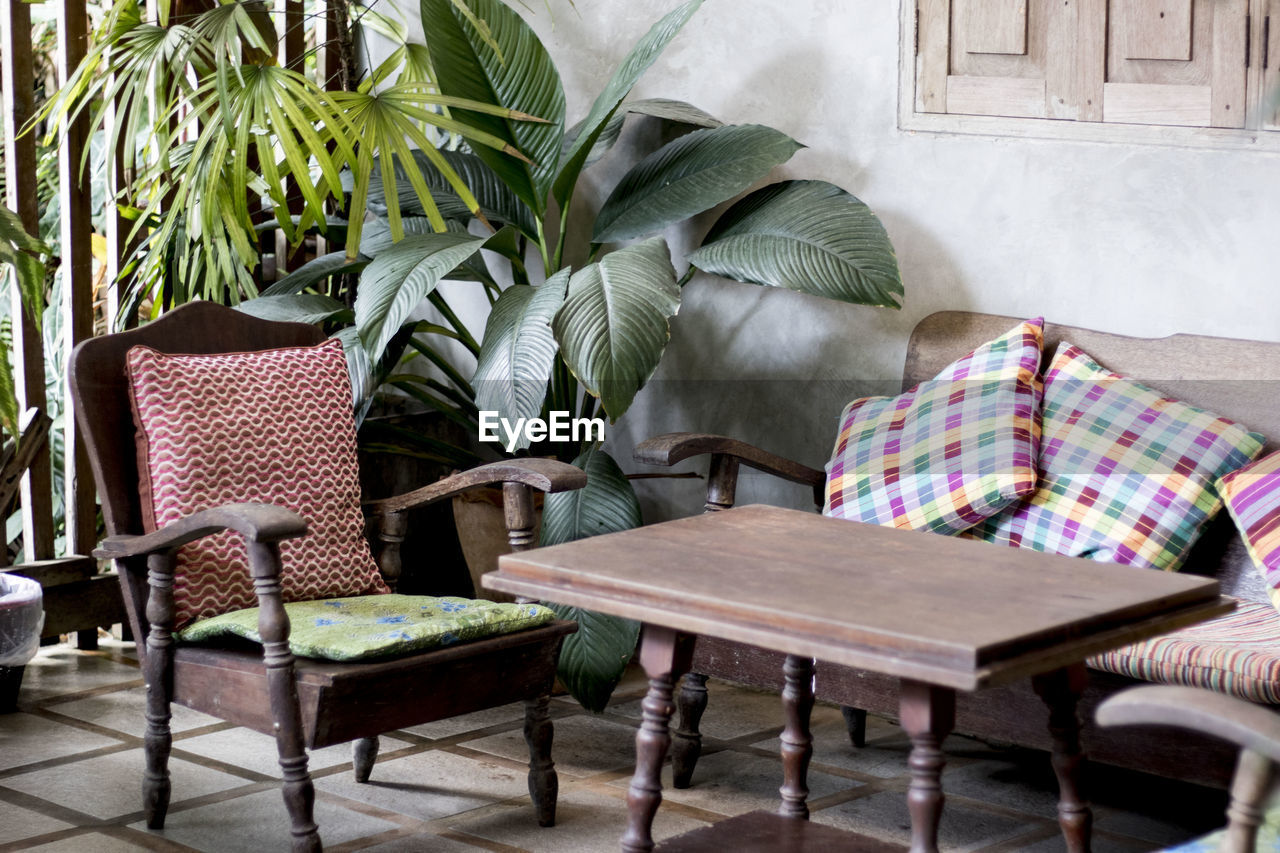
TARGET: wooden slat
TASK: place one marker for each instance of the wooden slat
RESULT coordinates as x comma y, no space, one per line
1228,104
1154,103
995,26
292,49
1061,25
1091,61
932,64
996,96
74,198
28,349
1153,29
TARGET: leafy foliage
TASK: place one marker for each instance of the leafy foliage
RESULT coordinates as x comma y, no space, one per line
592,660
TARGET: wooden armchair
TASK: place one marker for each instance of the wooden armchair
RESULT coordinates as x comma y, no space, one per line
305,703
1253,728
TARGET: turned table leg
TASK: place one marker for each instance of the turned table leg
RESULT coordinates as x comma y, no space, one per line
1060,690
665,655
797,742
928,714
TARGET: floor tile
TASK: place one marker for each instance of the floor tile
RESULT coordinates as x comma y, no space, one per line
885,816
512,713
17,823
123,710
257,752
1102,843
584,745
258,822
60,669
111,785
586,822
27,739
420,842
95,841
730,784
431,784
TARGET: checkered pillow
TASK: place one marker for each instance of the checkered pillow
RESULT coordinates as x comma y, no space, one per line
949,452
1252,495
1126,473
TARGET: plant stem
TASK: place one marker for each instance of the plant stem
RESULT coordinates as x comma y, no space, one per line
688,274
464,336
542,249
564,233
439,361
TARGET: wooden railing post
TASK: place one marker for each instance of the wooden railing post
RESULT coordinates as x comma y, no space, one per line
74,199
18,84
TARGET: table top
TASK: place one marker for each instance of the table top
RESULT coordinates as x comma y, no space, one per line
951,612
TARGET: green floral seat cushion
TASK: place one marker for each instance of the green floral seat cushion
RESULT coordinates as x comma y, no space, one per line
374,626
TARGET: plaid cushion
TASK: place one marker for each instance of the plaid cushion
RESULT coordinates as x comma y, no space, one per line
949,452
1125,473
1238,653
1252,495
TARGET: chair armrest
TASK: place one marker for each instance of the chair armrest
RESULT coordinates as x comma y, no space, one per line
254,521
1250,726
675,447
545,475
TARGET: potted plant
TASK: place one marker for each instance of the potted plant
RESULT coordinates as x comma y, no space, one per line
579,329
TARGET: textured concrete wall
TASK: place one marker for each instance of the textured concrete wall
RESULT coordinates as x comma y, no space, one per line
1140,240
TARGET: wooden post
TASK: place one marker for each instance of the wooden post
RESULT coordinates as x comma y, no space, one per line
18,86
77,276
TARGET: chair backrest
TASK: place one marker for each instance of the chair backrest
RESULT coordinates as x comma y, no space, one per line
100,388
1237,379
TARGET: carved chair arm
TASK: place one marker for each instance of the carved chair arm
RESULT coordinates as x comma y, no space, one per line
545,475
726,455
254,521
518,478
1245,724
1256,729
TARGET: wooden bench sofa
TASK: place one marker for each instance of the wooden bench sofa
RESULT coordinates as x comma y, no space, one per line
1238,653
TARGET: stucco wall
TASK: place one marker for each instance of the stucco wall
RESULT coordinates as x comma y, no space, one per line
1140,240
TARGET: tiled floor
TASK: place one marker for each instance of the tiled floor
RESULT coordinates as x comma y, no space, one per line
71,761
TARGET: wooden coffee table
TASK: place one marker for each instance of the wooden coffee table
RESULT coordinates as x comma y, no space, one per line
941,614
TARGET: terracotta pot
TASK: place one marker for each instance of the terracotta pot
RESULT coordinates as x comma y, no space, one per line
482,531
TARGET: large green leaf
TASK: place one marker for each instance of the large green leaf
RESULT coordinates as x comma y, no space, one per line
519,75
633,66
615,322
518,353
678,113
689,175
809,236
295,308
400,277
592,660
497,202
314,271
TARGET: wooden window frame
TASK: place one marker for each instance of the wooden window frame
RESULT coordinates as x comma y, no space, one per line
911,121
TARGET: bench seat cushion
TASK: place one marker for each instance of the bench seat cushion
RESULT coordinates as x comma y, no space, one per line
1238,653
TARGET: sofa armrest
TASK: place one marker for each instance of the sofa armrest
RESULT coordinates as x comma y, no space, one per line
1250,726
256,522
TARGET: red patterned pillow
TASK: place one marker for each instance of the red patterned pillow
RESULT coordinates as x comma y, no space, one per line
274,427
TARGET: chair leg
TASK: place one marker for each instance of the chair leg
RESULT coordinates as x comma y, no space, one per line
686,742
544,785
364,752
157,742
855,722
